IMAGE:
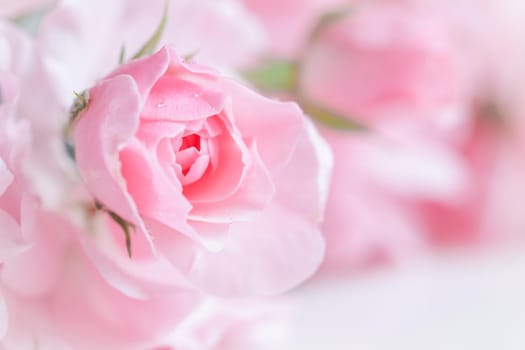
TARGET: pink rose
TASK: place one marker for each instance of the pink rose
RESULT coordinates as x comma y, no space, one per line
382,61
58,298
226,184
399,70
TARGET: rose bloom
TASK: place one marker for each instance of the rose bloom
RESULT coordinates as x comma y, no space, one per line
227,185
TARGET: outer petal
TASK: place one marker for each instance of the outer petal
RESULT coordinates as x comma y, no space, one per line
35,271
267,255
93,315
175,99
275,126
145,71
301,193
102,129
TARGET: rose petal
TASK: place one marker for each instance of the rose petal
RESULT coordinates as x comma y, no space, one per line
222,181
93,315
275,126
156,195
109,122
265,256
175,99
306,194
255,192
35,271
145,71
11,241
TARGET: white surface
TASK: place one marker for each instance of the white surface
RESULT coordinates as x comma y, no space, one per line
453,302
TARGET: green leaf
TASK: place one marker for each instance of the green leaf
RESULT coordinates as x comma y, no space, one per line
150,46
331,119
274,75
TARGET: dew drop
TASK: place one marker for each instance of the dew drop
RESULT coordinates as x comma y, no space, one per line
161,104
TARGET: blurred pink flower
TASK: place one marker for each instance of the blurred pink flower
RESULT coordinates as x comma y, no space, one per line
226,184
55,294
382,61
418,177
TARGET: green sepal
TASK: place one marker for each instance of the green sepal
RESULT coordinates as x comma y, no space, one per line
190,56
79,104
125,226
150,46
274,75
122,55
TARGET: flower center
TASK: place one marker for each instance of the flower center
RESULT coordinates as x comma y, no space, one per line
192,157
192,140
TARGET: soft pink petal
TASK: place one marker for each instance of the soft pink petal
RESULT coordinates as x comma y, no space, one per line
267,255
141,277
11,240
145,71
218,183
275,126
172,98
254,194
93,315
35,271
156,195
102,129
302,194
